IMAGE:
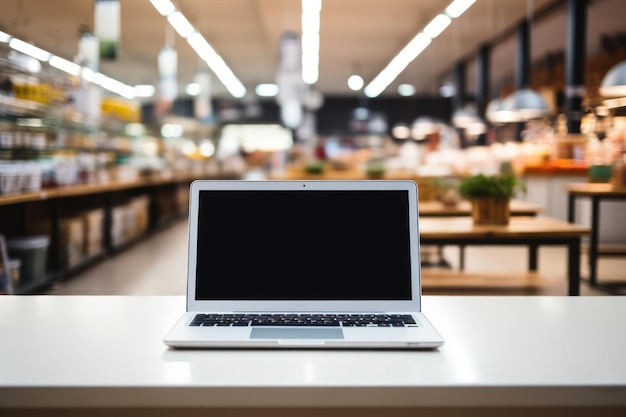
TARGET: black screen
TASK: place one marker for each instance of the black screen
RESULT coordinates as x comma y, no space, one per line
303,245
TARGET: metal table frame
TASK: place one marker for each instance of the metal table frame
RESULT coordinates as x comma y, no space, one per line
597,193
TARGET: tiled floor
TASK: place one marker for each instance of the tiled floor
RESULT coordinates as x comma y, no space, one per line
157,266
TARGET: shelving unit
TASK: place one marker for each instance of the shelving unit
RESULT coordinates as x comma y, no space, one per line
18,211
79,168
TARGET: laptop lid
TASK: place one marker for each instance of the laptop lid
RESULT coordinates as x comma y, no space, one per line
301,246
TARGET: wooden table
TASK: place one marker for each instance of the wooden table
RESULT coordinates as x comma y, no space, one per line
596,192
434,208
464,207
527,231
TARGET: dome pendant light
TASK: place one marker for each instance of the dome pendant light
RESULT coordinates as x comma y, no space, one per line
614,82
527,103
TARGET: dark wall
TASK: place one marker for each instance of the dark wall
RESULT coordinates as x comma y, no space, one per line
334,117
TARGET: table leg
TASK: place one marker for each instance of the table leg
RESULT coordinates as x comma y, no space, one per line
532,257
593,240
573,266
461,257
571,208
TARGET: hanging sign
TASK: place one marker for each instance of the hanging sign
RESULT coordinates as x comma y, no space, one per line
88,52
107,27
168,63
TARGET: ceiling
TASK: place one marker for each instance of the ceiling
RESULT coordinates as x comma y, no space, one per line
356,36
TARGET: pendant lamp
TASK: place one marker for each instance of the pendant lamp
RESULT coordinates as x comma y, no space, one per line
527,103
496,113
614,82
423,126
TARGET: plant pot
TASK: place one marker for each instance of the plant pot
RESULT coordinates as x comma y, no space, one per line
490,210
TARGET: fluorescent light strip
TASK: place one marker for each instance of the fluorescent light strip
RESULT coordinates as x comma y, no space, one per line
201,46
180,23
4,37
437,25
164,7
28,49
416,47
204,50
65,65
397,65
69,67
266,90
144,90
311,10
458,7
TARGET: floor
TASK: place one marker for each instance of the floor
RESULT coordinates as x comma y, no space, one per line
157,266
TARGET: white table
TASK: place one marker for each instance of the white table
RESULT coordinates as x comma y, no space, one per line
63,352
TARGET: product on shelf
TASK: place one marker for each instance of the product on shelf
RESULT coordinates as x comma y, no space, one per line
32,252
18,176
93,221
129,221
71,241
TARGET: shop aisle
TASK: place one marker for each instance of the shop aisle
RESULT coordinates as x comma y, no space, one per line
157,266
154,266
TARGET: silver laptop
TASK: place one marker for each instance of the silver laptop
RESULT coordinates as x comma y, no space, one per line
303,264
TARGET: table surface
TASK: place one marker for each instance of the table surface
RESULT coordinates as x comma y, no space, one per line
103,351
518,226
595,189
464,207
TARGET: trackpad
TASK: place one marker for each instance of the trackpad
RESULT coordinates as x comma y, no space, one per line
298,333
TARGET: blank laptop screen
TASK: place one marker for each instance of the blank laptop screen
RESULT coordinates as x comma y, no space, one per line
303,245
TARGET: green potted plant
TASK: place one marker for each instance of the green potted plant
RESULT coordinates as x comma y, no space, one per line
490,196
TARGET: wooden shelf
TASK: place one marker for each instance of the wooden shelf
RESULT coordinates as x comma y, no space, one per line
95,188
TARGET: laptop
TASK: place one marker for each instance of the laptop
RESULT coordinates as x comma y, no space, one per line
303,264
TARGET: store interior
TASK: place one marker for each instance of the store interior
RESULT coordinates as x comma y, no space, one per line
109,110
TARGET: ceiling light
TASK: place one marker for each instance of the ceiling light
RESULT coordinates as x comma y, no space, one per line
415,47
4,37
397,65
437,25
458,7
447,90
180,23
144,90
112,84
128,92
423,126
226,76
465,116
206,148
615,103
65,65
527,103
28,49
201,46
614,82
266,90
165,7
496,113
310,40
406,90
401,131
193,89
355,82
88,74
476,128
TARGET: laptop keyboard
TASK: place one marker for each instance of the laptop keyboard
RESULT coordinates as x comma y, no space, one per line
323,320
